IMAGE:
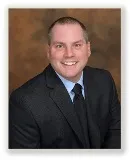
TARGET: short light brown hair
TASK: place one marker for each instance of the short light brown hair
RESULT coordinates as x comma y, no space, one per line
67,20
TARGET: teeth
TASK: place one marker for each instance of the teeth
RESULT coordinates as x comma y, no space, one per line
69,63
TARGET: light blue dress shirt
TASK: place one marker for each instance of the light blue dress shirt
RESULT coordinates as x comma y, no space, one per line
69,85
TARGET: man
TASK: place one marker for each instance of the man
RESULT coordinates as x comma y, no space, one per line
68,105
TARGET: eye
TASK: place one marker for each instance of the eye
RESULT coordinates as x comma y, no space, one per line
59,46
78,45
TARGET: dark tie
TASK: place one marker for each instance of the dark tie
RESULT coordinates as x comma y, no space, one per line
80,108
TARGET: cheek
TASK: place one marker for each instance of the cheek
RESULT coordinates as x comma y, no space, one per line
55,55
83,55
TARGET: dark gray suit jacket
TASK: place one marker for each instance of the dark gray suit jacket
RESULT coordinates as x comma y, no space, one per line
41,113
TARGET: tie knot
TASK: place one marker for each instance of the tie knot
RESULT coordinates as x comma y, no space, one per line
77,89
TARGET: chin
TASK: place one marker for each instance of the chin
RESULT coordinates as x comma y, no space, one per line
72,77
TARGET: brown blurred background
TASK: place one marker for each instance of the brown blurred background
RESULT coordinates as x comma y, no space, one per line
28,38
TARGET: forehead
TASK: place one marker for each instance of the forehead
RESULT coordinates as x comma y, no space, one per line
64,32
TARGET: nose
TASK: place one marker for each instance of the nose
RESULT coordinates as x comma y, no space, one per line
69,52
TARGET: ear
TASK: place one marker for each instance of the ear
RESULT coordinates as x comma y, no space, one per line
47,50
89,48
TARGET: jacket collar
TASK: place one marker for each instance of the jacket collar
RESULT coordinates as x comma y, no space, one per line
91,98
62,99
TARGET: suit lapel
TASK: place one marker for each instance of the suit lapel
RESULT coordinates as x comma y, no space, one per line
90,97
62,99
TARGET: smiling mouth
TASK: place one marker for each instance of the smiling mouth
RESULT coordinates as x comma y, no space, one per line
69,63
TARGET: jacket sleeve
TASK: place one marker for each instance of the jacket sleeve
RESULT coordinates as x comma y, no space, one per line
23,130
113,136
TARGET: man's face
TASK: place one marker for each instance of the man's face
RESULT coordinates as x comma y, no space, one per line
68,52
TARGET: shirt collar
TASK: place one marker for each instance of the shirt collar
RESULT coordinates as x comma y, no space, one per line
68,84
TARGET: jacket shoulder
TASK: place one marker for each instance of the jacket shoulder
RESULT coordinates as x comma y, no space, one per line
100,77
97,72
29,88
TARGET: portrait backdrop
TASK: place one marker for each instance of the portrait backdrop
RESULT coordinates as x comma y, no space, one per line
28,37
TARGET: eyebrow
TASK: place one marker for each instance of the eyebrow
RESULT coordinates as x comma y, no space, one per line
78,41
56,42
